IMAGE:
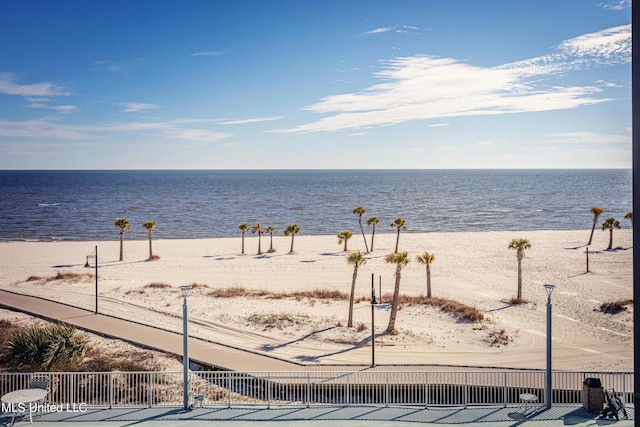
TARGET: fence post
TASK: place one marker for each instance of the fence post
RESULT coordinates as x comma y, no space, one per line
269,390
387,391
228,382
505,397
427,391
308,389
150,396
466,390
110,390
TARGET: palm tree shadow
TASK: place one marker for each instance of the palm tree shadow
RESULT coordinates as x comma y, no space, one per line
359,344
270,347
575,248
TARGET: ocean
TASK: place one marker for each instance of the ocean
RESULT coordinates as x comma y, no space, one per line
82,205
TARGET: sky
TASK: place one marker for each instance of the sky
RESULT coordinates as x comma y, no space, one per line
317,84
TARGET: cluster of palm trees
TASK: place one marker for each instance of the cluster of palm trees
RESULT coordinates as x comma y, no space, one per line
608,224
291,230
372,221
124,224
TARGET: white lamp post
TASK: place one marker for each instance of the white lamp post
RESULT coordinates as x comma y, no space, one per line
185,345
373,325
548,384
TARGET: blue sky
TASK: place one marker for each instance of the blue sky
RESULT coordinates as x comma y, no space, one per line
315,84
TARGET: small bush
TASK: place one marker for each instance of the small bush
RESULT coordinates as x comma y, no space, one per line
516,301
461,311
157,286
614,307
362,327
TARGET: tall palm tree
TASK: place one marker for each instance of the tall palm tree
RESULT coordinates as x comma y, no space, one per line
609,224
400,260
271,230
343,237
520,245
629,216
371,222
257,228
122,223
596,211
398,223
356,259
359,210
426,259
150,225
292,230
243,228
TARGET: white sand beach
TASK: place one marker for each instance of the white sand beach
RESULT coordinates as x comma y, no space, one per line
475,268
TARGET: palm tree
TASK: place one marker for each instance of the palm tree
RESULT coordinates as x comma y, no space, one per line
292,229
356,259
150,225
344,236
400,260
243,228
359,210
122,223
629,216
271,230
426,259
519,245
371,222
258,228
398,223
609,224
596,211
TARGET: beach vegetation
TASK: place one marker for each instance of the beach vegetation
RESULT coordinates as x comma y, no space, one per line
236,292
609,224
243,229
359,210
614,307
629,217
596,211
371,222
271,230
499,338
343,237
156,285
67,276
257,228
460,311
520,245
150,225
291,230
399,224
427,258
122,224
400,260
356,259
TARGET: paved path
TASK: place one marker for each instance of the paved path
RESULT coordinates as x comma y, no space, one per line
199,350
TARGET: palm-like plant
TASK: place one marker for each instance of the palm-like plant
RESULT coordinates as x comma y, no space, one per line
291,230
271,230
426,259
356,259
609,224
359,210
343,237
629,216
122,224
150,225
400,224
596,211
257,228
371,222
520,245
243,229
400,260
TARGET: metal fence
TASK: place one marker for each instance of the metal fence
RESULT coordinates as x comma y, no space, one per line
376,388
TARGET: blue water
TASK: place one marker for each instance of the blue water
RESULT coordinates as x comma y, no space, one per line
81,205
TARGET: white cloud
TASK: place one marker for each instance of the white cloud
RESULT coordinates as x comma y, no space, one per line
254,120
438,125
45,128
135,107
212,53
9,86
424,87
379,30
65,108
590,138
121,67
616,4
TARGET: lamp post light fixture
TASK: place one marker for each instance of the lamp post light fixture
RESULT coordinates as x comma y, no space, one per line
185,345
548,383
94,255
373,327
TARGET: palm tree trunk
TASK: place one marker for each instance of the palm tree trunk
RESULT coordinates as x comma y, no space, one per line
351,297
271,243
428,282
595,221
610,238
121,249
363,236
243,242
519,298
394,304
259,243
373,233
292,236
150,248
397,240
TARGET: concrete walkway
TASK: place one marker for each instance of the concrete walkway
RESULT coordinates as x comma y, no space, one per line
323,416
201,351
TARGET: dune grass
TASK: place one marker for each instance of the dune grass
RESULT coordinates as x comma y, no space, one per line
614,307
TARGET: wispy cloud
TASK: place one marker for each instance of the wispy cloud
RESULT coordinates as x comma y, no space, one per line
425,87
254,120
589,138
121,67
43,128
395,28
378,31
136,107
212,53
616,4
65,108
9,86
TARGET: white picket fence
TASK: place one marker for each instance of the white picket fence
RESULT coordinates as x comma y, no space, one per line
313,388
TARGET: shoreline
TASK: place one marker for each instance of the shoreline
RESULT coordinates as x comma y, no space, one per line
475,268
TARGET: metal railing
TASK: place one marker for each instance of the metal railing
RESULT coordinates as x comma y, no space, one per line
379,388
